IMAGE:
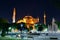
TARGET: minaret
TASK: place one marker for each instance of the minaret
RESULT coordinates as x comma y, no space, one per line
53,20
14,15
44,18
54,25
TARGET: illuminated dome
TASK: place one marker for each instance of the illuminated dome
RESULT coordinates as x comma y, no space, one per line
29,20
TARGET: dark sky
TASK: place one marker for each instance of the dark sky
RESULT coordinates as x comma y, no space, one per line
35,8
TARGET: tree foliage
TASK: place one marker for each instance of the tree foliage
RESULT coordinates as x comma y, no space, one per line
4,26
40,28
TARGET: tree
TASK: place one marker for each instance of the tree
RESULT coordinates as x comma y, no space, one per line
40,28
36,26
44,26
58,23
21,26
3,25
6,26
30,28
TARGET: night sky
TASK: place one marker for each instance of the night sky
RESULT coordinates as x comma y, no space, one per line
34,8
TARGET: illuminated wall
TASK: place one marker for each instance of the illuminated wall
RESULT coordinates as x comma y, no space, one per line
29,20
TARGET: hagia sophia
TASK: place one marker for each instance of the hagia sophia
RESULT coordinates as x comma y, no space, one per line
29,20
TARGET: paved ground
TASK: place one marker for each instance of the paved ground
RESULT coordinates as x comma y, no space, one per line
51,36
35,38
8,38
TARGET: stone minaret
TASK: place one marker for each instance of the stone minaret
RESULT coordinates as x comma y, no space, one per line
14,15
44,18
54,25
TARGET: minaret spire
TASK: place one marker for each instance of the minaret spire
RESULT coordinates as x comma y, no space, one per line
44,18
14,15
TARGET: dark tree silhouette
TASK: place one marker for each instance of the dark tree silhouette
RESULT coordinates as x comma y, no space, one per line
30,28
58,23
3,25
21,26
40,28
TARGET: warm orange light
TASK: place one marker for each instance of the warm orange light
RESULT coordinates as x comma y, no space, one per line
29,20
44,18
14,14
20,21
